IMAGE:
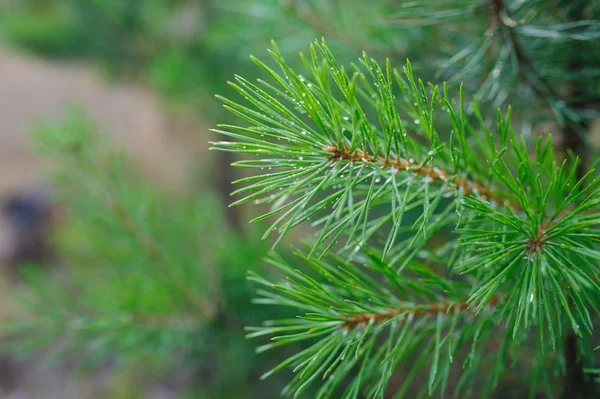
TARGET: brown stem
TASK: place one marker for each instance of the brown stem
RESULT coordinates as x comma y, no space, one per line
501,16
573,138
576,384
464,185
535,244
575,378
435,308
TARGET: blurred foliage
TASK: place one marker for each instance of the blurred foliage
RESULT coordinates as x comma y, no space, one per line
147,280
188,49
47,33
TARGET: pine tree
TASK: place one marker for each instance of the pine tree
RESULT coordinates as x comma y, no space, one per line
443,242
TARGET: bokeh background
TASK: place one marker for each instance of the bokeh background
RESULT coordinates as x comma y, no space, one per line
117,96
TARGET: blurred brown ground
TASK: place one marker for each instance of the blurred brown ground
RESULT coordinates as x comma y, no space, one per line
165,145
33,91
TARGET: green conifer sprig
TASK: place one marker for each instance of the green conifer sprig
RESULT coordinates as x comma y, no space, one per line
361,323
520,231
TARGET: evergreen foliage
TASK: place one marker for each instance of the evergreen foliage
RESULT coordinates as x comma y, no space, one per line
428,243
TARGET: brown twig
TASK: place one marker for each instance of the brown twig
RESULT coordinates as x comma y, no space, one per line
435,308
501,17
535,244
464,185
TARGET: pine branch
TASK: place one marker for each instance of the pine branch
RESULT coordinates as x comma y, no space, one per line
353,327
429,173
432,309
526,242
